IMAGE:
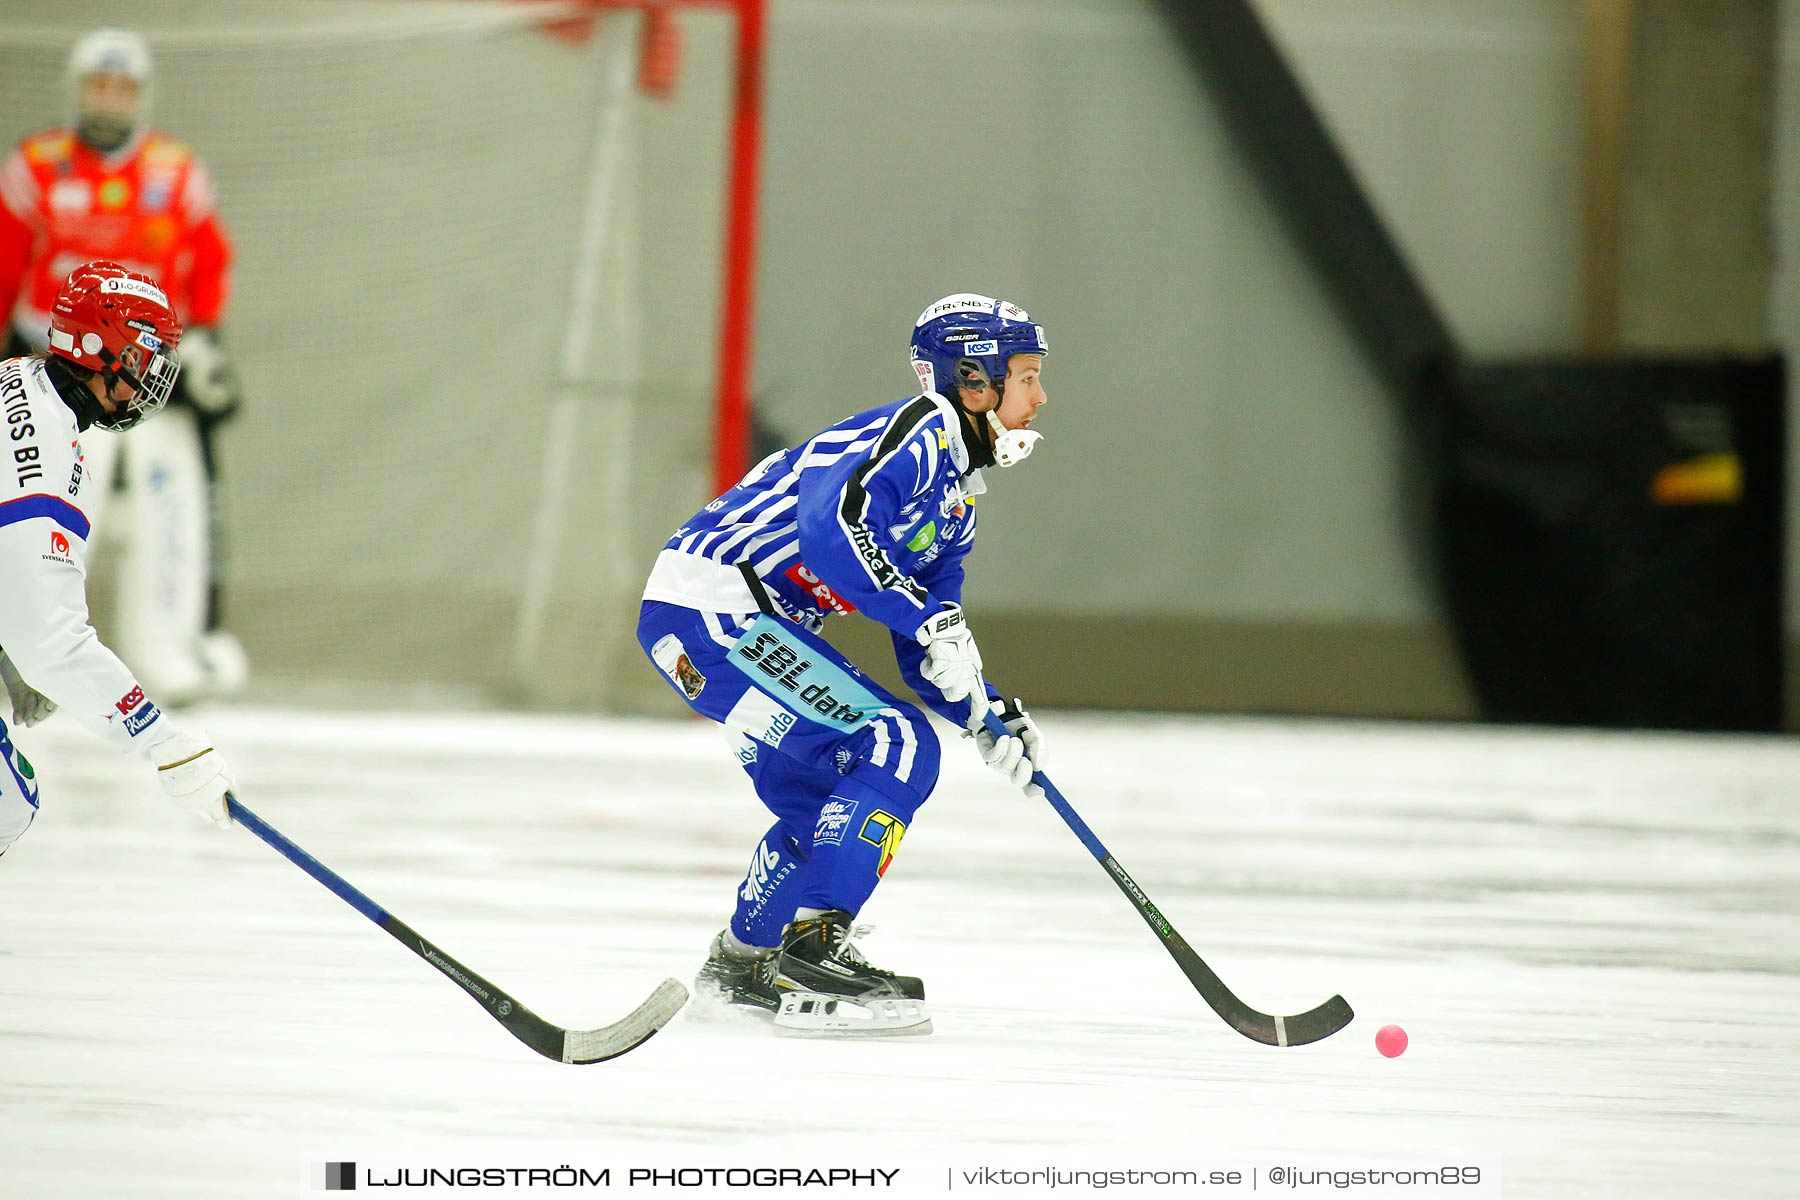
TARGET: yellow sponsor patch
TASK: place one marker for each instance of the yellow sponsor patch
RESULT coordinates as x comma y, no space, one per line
883,829
163,150
49,147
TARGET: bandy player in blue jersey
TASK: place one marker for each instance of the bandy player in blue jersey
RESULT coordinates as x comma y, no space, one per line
874,516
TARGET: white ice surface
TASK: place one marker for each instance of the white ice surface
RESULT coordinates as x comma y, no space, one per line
1592,941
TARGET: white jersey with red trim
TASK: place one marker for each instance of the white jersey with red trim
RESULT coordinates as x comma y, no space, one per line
43,569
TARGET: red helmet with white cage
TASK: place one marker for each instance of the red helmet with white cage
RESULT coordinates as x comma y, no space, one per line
119,323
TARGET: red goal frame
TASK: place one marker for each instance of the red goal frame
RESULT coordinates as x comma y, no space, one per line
658,64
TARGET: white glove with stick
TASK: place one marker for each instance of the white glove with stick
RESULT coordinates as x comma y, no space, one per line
1016,757
193,774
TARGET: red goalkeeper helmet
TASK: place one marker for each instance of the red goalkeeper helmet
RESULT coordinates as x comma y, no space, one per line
118,323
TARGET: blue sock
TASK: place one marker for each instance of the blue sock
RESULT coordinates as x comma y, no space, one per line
770,889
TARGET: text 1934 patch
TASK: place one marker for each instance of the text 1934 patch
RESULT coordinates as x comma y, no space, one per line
834,822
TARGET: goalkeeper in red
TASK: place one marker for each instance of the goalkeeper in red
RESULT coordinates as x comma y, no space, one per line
874,516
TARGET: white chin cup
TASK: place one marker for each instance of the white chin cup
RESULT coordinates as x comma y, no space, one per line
1011,445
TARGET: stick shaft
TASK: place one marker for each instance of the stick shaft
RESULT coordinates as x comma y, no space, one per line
499,1005
518,1020
550,1040
339,886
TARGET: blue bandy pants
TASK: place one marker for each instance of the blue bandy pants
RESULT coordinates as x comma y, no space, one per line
841,762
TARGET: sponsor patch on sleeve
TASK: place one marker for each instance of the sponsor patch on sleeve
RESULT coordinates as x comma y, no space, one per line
137,722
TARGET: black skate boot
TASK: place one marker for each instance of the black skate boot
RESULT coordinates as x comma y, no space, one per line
817,955
826,988
729,979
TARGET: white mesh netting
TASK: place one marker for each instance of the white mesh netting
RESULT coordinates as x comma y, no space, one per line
408,184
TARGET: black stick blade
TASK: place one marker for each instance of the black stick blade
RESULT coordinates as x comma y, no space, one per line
1313,1025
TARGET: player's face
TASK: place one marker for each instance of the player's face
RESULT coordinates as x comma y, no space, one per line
121,394
1024,393
113,400
109,94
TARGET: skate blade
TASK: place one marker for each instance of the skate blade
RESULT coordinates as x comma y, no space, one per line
810,1014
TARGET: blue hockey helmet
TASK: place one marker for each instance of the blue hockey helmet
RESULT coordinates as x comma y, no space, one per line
966,339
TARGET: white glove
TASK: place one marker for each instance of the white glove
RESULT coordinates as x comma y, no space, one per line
1018,756
29,706
193,774
207,373
952,663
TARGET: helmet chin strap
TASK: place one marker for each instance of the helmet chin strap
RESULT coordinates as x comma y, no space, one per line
1011,445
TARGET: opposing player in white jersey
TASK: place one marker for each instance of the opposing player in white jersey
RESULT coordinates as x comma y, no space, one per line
111,363
874,515
107,186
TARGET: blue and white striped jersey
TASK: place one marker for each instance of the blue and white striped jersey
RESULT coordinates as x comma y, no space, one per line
872,515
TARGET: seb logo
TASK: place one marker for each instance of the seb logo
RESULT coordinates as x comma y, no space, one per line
131,699
819,590
58,543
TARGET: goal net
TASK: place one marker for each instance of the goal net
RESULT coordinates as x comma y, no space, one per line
477,308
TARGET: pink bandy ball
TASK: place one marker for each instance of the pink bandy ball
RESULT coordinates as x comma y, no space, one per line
1391,1041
